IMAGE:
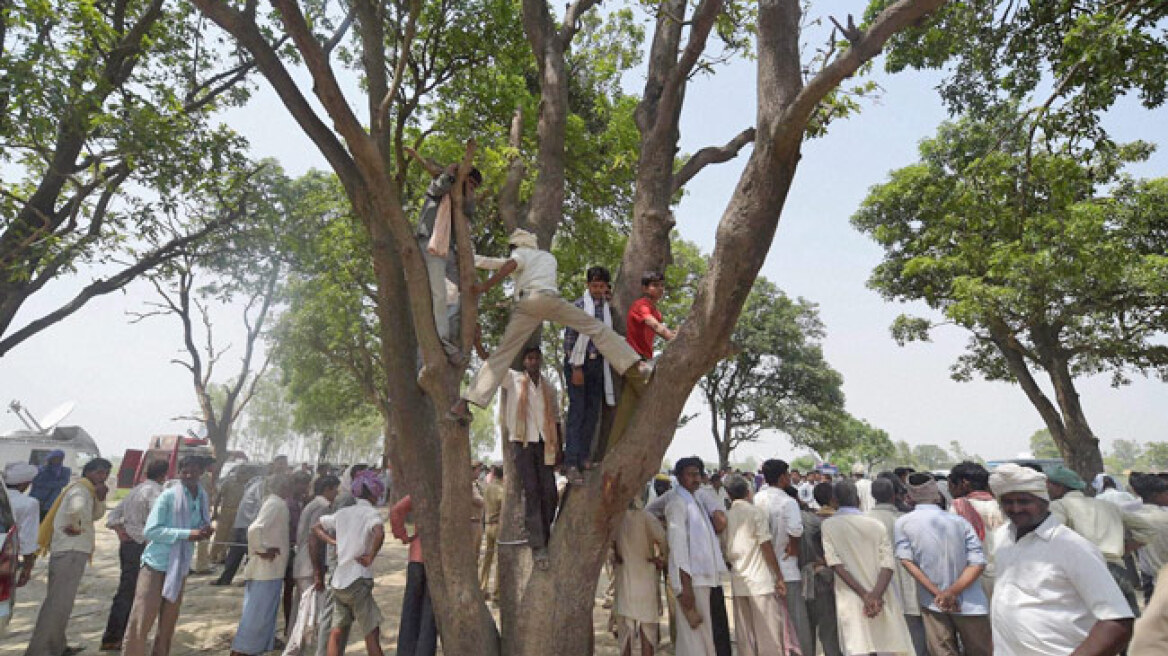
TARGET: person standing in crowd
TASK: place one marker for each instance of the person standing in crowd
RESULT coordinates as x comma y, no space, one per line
50,480
249,508
202,562
537,298
1101,523
818,579
1053,593
695,561
870,618
969,483
300,482
756,582
531,419
903,586
67,535
226,501
179,520
493,507
590,383
26,513
326,552
1152,557
944,555
359,536
1150,637
418,633
268,548
643,321
325,490
128,520
786,525
863,486
640,552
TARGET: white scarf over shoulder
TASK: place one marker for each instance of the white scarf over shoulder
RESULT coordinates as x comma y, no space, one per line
580,351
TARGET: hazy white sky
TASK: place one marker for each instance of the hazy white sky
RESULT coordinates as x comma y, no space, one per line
127,389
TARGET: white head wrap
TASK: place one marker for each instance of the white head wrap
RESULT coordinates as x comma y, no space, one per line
1010,477
19,473
521,238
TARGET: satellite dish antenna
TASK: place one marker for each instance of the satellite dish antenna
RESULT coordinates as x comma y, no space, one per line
56,415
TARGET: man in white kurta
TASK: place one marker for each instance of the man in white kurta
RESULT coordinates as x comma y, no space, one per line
640,545
786,524
859,550
756,582
695,561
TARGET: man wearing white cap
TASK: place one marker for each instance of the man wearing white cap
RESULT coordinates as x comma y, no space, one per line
1053,594
26,511
537,299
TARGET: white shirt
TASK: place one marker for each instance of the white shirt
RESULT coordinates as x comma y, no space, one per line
807,494
1052,586
693,549
27,513
309,516
513,382
132,512
786,522
80,510
354,528
536,270
270,529
864,488
747,529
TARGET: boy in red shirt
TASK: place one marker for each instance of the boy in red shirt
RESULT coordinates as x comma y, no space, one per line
644,319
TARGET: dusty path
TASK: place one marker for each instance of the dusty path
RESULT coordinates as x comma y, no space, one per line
209,613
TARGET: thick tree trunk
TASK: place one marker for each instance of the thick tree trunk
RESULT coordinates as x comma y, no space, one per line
1077,443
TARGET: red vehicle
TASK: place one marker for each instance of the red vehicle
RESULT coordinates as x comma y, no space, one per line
172,449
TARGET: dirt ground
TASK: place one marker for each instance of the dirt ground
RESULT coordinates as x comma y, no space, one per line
209,613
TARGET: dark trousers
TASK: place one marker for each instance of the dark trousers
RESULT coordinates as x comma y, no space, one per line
719,623
417,635
821,616
130,559
539,491
584,404
235,555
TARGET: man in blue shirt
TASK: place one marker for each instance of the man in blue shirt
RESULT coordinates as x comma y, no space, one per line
180,517
943,553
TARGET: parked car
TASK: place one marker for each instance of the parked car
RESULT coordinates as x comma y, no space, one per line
9,559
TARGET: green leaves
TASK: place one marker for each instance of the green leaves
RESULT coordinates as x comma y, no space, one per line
1005,240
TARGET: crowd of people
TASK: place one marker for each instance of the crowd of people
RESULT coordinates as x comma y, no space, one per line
1017,561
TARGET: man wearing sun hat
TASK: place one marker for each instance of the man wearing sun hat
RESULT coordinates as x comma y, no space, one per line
537,299
1053,594
1103,524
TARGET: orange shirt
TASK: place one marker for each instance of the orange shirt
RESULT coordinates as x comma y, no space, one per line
397,525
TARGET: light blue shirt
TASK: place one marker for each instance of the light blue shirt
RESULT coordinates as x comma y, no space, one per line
162,529
942,545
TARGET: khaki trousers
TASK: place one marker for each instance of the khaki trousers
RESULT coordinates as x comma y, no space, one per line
65,571
758,625
942,629
529,311
488,558
149,606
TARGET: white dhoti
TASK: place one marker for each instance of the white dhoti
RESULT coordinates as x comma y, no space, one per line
630,633
699,641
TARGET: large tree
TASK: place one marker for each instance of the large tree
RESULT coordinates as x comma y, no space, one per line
1047,254
106,125
777,380
430,452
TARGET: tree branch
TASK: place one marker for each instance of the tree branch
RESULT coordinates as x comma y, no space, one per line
711,155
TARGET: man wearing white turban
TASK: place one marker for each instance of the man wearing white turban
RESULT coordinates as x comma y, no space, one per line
26,511
1053,594
537,299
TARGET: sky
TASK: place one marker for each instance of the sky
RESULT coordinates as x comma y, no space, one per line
127,389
